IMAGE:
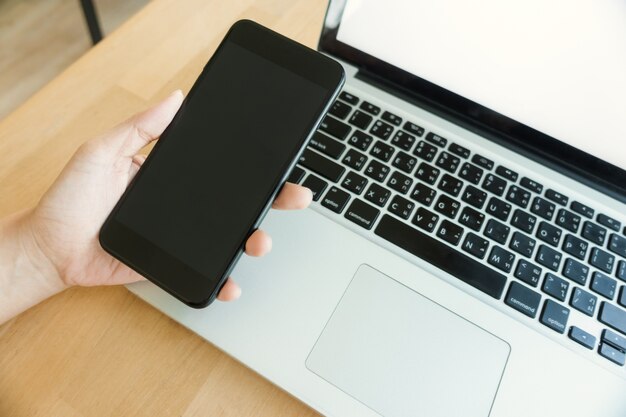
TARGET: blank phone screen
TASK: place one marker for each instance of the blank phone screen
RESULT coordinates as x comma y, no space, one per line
219,161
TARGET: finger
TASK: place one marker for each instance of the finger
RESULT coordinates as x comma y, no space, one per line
293,197
138,161
258,244
129,137
230,291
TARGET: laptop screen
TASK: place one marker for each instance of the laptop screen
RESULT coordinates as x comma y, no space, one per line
557,66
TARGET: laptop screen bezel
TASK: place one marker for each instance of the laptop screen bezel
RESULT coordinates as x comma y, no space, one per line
579,165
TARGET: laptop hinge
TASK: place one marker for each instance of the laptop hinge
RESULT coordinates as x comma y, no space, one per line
516,145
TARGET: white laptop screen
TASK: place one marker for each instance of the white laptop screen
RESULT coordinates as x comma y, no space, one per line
557,66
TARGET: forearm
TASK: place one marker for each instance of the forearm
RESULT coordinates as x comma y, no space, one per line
26,276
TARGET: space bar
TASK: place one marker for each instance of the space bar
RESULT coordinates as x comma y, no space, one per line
442,256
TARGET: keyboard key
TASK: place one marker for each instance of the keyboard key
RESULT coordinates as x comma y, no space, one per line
575,246
612,354
475,245
474,196
519,196
524,221
439,254
501,259
334,127
471,218
326,145
609,222
621,270
602,260
448,162
296,175
494,184
413,128
362,214
360,120
450,185
548,257
459,150
568,220
360,140
498,209
582,337
391,118
603,285
425,151
447,206
401,207
594,233
531,185
382,151
506,173
621,299
580,208
403,140
335,199
497,231
423,194
549,234
614,339
436,139
354,159
399,182
316,185
321,165
556,197
617,244
370,108
377,171
349,98
381,129
528,272
523,299
613,317
482,161
522,244
543,208
471,173
377,194
425,219
450,232
339,109
427,173
354,182
555,316
583,301
555,286
576,271
404,161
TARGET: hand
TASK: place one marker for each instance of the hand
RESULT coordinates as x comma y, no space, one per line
66,222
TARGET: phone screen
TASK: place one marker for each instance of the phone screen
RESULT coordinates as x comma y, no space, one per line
220,159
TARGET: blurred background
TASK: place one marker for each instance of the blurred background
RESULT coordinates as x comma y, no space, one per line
40,38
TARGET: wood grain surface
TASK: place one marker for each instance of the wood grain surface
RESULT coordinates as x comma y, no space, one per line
102,351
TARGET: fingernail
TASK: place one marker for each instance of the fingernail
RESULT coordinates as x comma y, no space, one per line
177,92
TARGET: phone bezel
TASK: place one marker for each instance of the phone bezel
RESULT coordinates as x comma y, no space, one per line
154,263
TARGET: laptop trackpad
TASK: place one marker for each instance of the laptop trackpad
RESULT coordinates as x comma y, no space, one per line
402,354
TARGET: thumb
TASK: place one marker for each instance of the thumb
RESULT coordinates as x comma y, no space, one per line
145,127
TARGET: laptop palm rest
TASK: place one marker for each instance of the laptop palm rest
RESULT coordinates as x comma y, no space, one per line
397,351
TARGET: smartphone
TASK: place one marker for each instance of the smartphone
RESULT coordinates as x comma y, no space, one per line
212,176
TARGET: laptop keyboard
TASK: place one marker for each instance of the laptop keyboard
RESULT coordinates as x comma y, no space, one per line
498,231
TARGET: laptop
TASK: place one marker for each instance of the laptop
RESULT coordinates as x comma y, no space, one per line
465,254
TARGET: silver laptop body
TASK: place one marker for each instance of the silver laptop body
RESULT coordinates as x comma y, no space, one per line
465,255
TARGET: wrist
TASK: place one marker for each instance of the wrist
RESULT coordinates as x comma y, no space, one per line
27,275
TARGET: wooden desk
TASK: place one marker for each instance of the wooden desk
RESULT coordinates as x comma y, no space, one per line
102,351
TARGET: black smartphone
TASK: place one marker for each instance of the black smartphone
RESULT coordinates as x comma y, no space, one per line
212,176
